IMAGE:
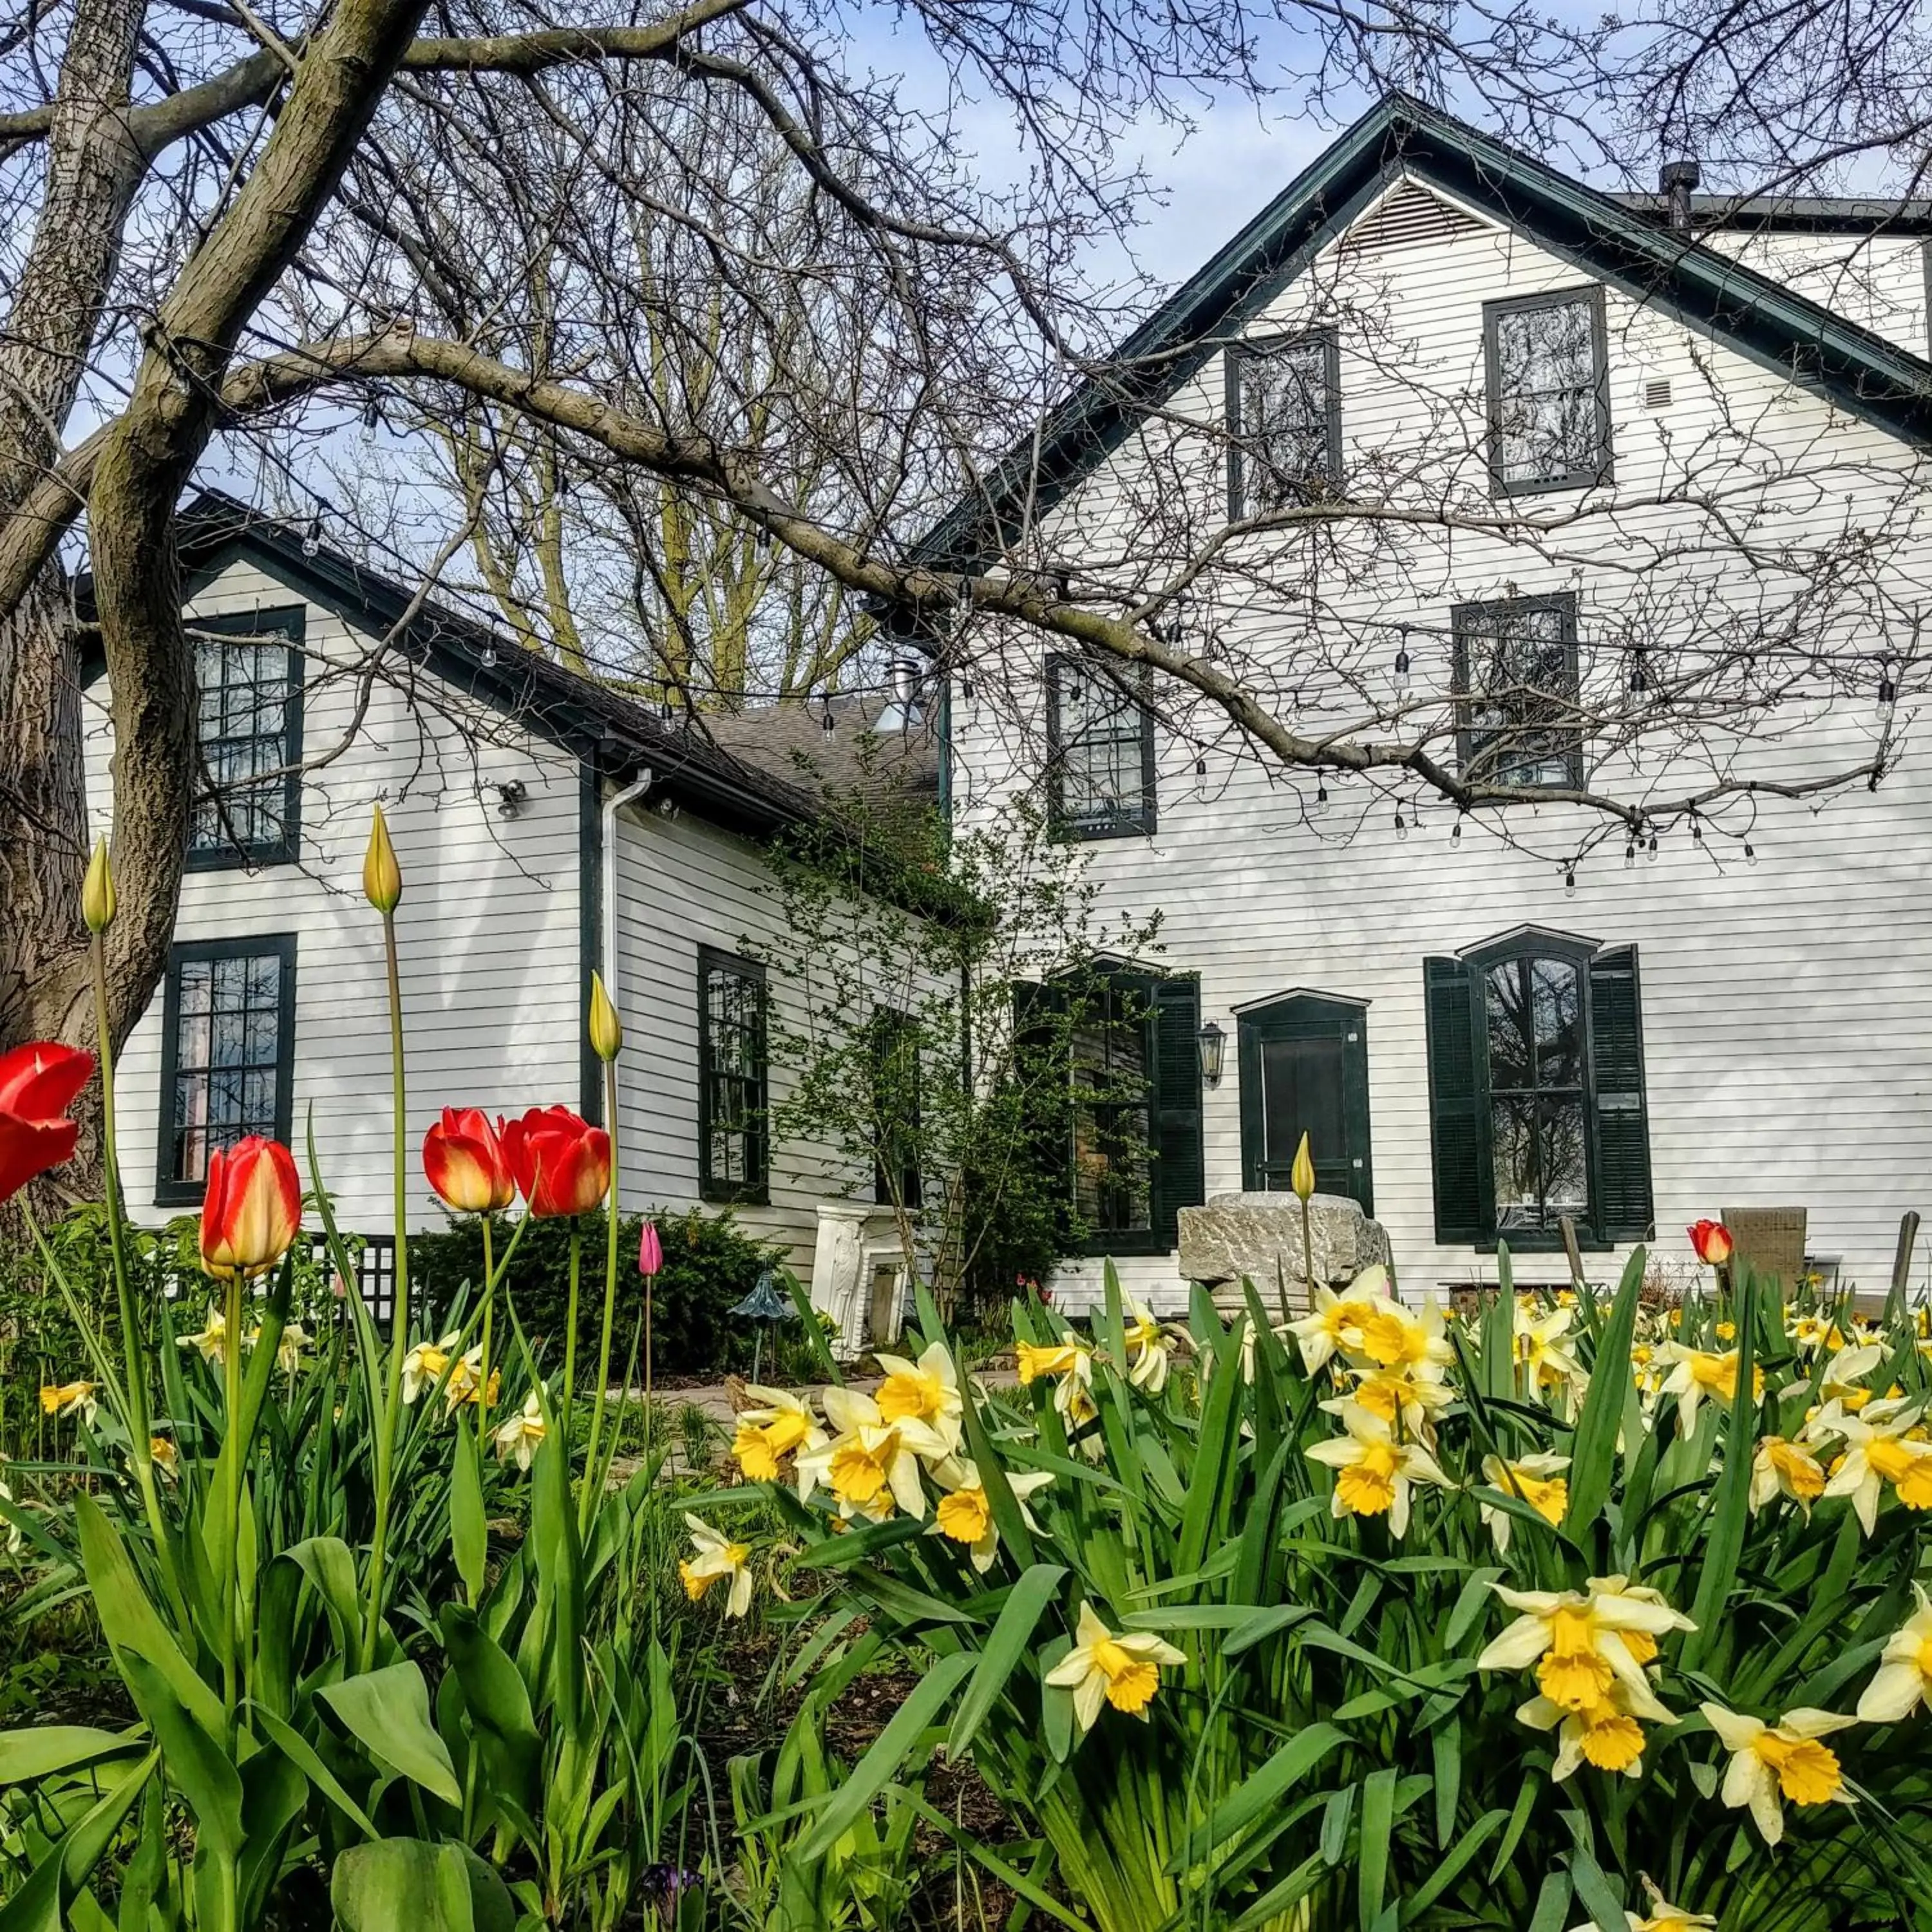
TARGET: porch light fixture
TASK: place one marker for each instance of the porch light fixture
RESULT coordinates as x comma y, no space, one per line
1214,1043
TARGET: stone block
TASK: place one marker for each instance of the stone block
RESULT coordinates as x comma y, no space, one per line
1259,1236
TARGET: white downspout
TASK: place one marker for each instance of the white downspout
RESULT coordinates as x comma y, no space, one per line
615,803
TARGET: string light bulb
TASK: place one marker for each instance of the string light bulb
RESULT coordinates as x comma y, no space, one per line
1456,831
311,540
1750,853
1570,881
1651,854
1629,854
1401,669
1888,694
372,415
1401,824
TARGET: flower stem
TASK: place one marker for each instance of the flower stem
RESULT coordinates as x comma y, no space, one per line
570,1324
587,1503
489,1309
399,1319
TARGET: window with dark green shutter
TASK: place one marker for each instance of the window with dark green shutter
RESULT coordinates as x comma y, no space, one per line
1536,1092
1132,1124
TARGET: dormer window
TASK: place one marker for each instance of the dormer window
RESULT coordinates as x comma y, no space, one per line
1547,363
1099,752
1284,421
248,713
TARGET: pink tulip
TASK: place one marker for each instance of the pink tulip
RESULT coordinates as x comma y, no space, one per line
650,1250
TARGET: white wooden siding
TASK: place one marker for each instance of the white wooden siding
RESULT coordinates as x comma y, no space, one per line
1787,1007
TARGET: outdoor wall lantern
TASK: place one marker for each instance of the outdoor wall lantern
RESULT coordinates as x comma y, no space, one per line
1213,1042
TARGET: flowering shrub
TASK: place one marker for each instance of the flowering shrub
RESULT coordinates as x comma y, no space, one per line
1565,1610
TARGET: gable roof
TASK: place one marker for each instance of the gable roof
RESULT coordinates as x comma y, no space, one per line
1617,240
614,734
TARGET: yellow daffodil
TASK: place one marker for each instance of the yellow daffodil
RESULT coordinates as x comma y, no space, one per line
1413,1396
522,1435
1604,1733
1664,1917
1538,1480
717,1558
162,1454
927,1391
13,1537
1121,1670
1583,1644
465,1384
1334,1325
1787,1468
1069,1367
1542,1354
871,1464
425,1365
1696,1373
1374,1473
1772,1762
211,1344
1904,1678
781,1427
964,1515
289,1348
69,1399
1879,1450
1146,1351
1395,1336
1810,1332
1845,1371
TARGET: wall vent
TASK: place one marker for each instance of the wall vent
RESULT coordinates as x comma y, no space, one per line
1657,393
1408,215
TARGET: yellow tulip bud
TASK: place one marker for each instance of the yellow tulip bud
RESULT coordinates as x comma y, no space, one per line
1301,1176
97,891
606,1030
382,876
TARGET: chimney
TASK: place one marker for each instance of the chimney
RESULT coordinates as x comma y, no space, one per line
1676,179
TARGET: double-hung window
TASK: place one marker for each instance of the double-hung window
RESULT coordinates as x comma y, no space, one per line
228,1051
733,1161
1517,718
1284,421
248,710
1100,753
1546,360
1537,1092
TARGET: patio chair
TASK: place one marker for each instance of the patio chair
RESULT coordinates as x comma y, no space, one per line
1770,1240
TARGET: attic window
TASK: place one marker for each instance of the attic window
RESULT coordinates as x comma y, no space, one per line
1546,359
1284,421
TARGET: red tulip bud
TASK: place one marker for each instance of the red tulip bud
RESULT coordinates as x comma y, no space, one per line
252,1210
1712,1241
561,1162
38,1083
462,1155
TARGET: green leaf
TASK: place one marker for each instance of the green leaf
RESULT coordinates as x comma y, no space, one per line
1011,1636
498,1703
1446,1748
25,1756
388,1712
1377,1822
468,1537
1552,1903
1264,1625
198,1764
1260,1791
129,1622
304,1756
1730,1509
1593,1448
403,1882
40,1902
1335,1815
888,1751
1593,1889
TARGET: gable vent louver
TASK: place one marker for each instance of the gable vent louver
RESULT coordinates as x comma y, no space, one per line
1657,393
1407,216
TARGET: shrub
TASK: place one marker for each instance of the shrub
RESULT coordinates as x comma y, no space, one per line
710,1262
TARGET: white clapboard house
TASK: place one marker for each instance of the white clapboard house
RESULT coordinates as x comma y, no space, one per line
545,824
1483,1034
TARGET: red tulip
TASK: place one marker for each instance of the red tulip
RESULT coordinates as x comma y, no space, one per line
38,1083
561,1162
650,1250
252,1211
462,1155
1712,1241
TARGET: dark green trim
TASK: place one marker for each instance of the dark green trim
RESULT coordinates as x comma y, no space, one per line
1603,467
289,621
170,1191
589,936
1617,245
1140,824
755,1189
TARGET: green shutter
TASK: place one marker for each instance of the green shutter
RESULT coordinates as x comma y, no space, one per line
1624,1209
1180,1171
1456,1137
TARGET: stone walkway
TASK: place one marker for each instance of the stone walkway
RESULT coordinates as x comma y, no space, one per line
714,1398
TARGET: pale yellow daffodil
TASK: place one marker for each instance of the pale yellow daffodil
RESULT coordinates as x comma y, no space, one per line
1879,1451
425,1365
781,1427
1604,1733
465,1384
926,1390
1538,1480
1663,1916
1105,1667
1542,1352
963,1514
1784,1467
1069,1367
1904,1678
1374,1473
1334,1324
523,1434
211,1344
871,1464
1695,1373
162,1454
1583,1644
75,1398
1414,1396
1395,1337
1771,1763
717,1559
1146,1351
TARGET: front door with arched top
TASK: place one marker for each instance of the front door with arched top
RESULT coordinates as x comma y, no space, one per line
1304,1069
